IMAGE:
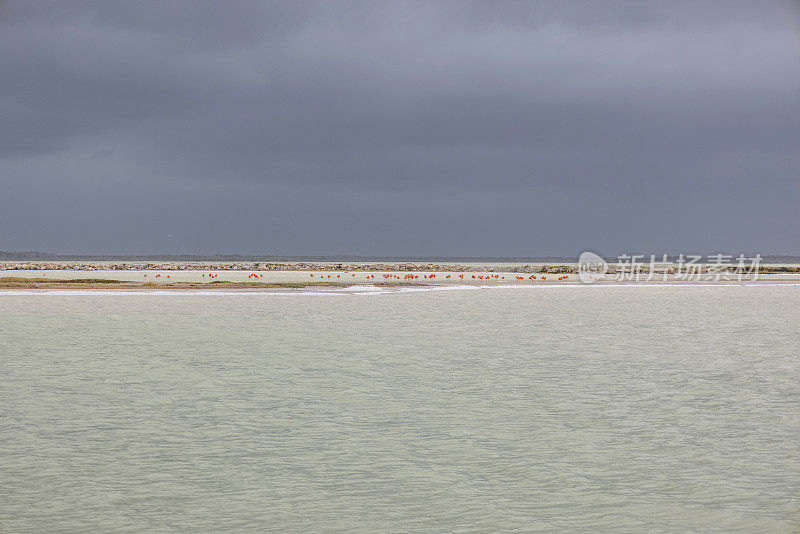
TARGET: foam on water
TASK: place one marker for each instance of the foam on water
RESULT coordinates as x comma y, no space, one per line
372,290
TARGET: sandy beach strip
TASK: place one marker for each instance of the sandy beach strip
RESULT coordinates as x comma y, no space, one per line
295,280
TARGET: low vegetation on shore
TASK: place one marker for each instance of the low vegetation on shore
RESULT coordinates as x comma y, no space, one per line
546,268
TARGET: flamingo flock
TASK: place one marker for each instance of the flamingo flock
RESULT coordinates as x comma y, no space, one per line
432,276
392,276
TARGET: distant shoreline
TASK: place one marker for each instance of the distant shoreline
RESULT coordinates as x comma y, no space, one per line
38,256
403,267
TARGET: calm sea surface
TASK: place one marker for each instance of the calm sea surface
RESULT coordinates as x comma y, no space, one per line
549,409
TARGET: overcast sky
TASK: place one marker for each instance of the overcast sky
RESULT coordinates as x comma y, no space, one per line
400,128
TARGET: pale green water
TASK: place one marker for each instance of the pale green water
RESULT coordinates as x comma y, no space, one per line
550,409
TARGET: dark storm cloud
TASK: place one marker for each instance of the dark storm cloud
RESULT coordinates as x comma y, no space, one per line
446,128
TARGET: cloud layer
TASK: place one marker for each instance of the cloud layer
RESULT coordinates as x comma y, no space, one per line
476,129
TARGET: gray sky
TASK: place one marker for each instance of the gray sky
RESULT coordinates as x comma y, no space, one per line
400,128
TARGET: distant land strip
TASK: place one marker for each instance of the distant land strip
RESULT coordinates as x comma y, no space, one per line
13,256
222,266
343,258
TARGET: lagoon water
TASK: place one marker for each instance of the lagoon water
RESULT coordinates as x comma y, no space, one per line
535,409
